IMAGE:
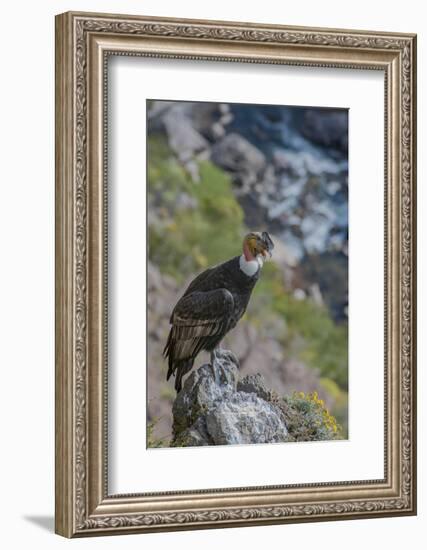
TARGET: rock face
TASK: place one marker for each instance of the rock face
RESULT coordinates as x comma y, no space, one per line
215,408
237,155
289,168
328,128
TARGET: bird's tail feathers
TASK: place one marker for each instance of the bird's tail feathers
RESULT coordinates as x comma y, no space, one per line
167,350
179,369
176,367
182,367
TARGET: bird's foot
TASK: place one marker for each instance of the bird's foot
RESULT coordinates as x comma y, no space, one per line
229,355
214,357
219,371
216,374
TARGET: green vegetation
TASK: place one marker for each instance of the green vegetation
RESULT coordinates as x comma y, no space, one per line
152,441
305,415
198,224
308,419
186,240
321,343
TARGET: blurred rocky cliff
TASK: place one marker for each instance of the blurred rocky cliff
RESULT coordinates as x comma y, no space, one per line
215,170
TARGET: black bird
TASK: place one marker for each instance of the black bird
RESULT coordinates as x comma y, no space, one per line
212,305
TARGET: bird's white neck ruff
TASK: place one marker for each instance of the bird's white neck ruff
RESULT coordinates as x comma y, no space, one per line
250,267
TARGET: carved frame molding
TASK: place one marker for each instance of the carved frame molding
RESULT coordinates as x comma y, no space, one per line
83,43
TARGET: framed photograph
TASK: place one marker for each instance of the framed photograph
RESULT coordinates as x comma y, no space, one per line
235,274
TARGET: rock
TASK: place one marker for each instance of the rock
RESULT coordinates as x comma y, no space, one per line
329,270
333,187
316,295
327,128
299,294
215,408
203,387
294,246
184,201
284,254
315,230
245,418
210,119
217,130
254,383
155,113
280,159
237,155
183,139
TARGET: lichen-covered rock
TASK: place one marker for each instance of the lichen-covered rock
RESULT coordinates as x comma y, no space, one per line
203,389
214,408
245,418
254,383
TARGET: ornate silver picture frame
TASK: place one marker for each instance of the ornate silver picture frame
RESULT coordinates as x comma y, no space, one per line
84,42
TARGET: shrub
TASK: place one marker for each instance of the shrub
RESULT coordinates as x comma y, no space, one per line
152,441
187,240
308,419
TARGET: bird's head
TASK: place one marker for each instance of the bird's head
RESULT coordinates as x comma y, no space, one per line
255,244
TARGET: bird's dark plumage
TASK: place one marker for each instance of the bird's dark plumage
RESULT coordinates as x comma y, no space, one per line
210,307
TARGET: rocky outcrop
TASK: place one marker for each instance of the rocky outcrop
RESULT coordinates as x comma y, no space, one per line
262,361
216,408
237,155
327,128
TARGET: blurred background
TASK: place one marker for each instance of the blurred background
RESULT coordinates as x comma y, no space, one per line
217,170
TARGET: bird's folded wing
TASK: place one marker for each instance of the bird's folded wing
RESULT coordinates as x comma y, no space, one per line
202,313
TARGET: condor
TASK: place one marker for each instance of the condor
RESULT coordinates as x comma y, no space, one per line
212,305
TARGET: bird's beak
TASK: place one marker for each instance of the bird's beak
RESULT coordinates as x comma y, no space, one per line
267,245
